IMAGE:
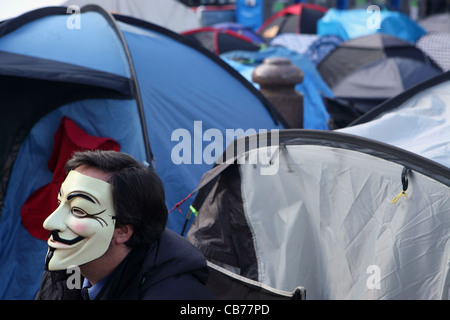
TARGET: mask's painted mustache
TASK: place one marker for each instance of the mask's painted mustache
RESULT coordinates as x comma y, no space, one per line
55,236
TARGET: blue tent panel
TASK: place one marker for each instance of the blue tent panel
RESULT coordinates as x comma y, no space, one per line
95,45
179,86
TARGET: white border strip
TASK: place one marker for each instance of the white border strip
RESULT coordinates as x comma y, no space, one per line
256,283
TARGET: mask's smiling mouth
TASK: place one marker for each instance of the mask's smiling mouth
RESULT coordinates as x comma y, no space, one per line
55,241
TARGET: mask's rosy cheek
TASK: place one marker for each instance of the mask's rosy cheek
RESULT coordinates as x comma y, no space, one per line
80,227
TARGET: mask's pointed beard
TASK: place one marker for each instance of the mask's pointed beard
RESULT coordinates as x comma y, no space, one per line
49,257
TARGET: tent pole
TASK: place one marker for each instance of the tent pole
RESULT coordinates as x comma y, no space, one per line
137,95
136,90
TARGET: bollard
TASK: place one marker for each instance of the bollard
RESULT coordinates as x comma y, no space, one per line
277,78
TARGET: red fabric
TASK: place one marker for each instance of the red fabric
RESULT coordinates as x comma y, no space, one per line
68,139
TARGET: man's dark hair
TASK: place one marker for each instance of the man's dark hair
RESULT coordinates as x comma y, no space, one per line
137,191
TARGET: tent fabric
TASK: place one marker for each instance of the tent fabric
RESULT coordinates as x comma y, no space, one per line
25,41
220,41
313,87
170,14
418,120
294,42
350,24
394,76
226,285
322,47
296,18
436,45
154,63
353,54
366,71
18,65
326,222
14,9
438,22
68,139
241,30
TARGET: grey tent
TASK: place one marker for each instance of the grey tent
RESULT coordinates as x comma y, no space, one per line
342,216
357,213
366,71
438,22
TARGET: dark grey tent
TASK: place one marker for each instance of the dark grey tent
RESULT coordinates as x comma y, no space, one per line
365,71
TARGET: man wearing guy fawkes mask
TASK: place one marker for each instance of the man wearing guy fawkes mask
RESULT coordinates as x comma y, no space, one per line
110,222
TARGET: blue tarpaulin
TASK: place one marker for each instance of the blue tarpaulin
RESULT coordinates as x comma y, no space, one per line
315,115
349,24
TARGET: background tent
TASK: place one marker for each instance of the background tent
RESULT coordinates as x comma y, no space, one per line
296,18
220,39
120,78
321,211
439,22
349,24
437,46
12,9
365,71
313,87
417,120
240,29
170,14
321,48
297,42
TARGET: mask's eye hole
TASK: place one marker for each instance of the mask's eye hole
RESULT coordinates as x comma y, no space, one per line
78,212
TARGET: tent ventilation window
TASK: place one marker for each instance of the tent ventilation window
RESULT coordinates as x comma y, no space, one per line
404,178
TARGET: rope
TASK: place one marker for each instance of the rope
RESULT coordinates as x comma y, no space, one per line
180,203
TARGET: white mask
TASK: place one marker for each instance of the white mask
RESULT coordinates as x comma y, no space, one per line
82,226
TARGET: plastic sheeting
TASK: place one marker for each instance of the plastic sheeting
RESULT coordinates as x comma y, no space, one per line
315,115
331,226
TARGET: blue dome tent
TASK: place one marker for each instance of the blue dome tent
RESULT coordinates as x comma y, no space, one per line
115,77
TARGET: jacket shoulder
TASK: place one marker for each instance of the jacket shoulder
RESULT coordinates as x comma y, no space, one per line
174,269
